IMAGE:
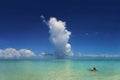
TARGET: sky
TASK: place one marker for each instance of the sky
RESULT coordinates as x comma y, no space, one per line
94,25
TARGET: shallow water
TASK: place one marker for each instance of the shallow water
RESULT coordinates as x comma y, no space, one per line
59,70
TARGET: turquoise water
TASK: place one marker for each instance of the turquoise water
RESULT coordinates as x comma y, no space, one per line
59,70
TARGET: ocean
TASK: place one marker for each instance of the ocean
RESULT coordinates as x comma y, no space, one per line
60,69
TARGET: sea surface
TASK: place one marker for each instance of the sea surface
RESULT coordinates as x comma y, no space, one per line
53,69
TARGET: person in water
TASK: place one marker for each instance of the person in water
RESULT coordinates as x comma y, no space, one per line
94,69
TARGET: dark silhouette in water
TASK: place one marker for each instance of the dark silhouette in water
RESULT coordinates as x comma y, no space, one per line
93,69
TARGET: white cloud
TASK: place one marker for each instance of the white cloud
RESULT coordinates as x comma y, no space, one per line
99,55
42,54
26,53
60,36
43,18
86,34
13,53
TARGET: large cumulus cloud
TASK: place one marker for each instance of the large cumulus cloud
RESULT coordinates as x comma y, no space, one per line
60,36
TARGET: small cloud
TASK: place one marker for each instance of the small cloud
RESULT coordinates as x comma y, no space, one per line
96,33
43,18
11,53
42,54
99,55
26,53
86,34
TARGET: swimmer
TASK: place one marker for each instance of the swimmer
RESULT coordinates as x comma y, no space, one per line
94,69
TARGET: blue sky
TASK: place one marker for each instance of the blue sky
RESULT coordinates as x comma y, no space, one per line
95,25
